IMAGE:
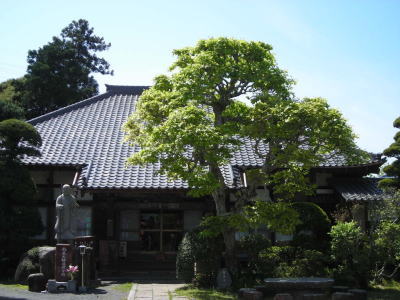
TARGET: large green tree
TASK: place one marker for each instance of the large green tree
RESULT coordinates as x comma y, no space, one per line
191,121
392,183
19,220
61,72
299,135
9,107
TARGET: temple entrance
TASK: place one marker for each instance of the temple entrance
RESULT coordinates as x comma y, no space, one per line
161,231
152,230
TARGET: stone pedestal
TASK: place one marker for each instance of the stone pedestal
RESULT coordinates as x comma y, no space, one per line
36,282
61,287
62,262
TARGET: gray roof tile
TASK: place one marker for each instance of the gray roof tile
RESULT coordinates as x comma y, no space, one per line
88,134
358,189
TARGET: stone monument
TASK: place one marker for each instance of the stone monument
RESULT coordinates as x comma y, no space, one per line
224,279
65,206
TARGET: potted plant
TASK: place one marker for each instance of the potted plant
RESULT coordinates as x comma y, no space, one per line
71,284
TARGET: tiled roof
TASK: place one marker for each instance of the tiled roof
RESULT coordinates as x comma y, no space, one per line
358,189
88,134
247,157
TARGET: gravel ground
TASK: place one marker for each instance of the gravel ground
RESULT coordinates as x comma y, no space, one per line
105,291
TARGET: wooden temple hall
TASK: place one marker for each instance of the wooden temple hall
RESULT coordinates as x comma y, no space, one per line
137,216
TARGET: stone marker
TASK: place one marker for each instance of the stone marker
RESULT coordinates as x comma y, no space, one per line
224,279
359,294
342,296
63,260
36,282
283,297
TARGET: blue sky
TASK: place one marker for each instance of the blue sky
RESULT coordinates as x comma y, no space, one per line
345,51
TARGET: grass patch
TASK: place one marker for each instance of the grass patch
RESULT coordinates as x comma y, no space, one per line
386,290
13,285
123,287
203,294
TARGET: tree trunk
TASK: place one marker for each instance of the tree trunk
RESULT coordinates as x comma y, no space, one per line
219,197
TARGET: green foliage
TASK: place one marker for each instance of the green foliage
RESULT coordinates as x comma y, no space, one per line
185,260
279,217
191,119
251,245
385,210
299,135
386,246
287,261
350,254
19,220
392,170
59,73
7,90
171,117
205,252
9,99
191,292
312,232
18,138
10,110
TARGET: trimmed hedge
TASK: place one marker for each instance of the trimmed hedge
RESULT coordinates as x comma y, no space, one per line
199,258
312,233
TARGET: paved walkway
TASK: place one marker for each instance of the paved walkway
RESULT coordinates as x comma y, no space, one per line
107,291
155,291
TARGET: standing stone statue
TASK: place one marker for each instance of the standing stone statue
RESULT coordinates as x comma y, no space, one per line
65,206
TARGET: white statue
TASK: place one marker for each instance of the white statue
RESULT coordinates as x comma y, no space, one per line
65,206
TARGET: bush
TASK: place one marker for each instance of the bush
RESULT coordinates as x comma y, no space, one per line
185,259
250,271
312,233
201,254
288,261
387,251
350,254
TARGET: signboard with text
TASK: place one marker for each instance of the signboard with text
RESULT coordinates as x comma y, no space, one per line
63,260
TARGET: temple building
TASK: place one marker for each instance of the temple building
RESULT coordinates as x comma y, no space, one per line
136,215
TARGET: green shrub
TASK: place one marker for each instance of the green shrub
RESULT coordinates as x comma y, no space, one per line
350,255
312,233
288,261
250,271
185,259
202,254
387,251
